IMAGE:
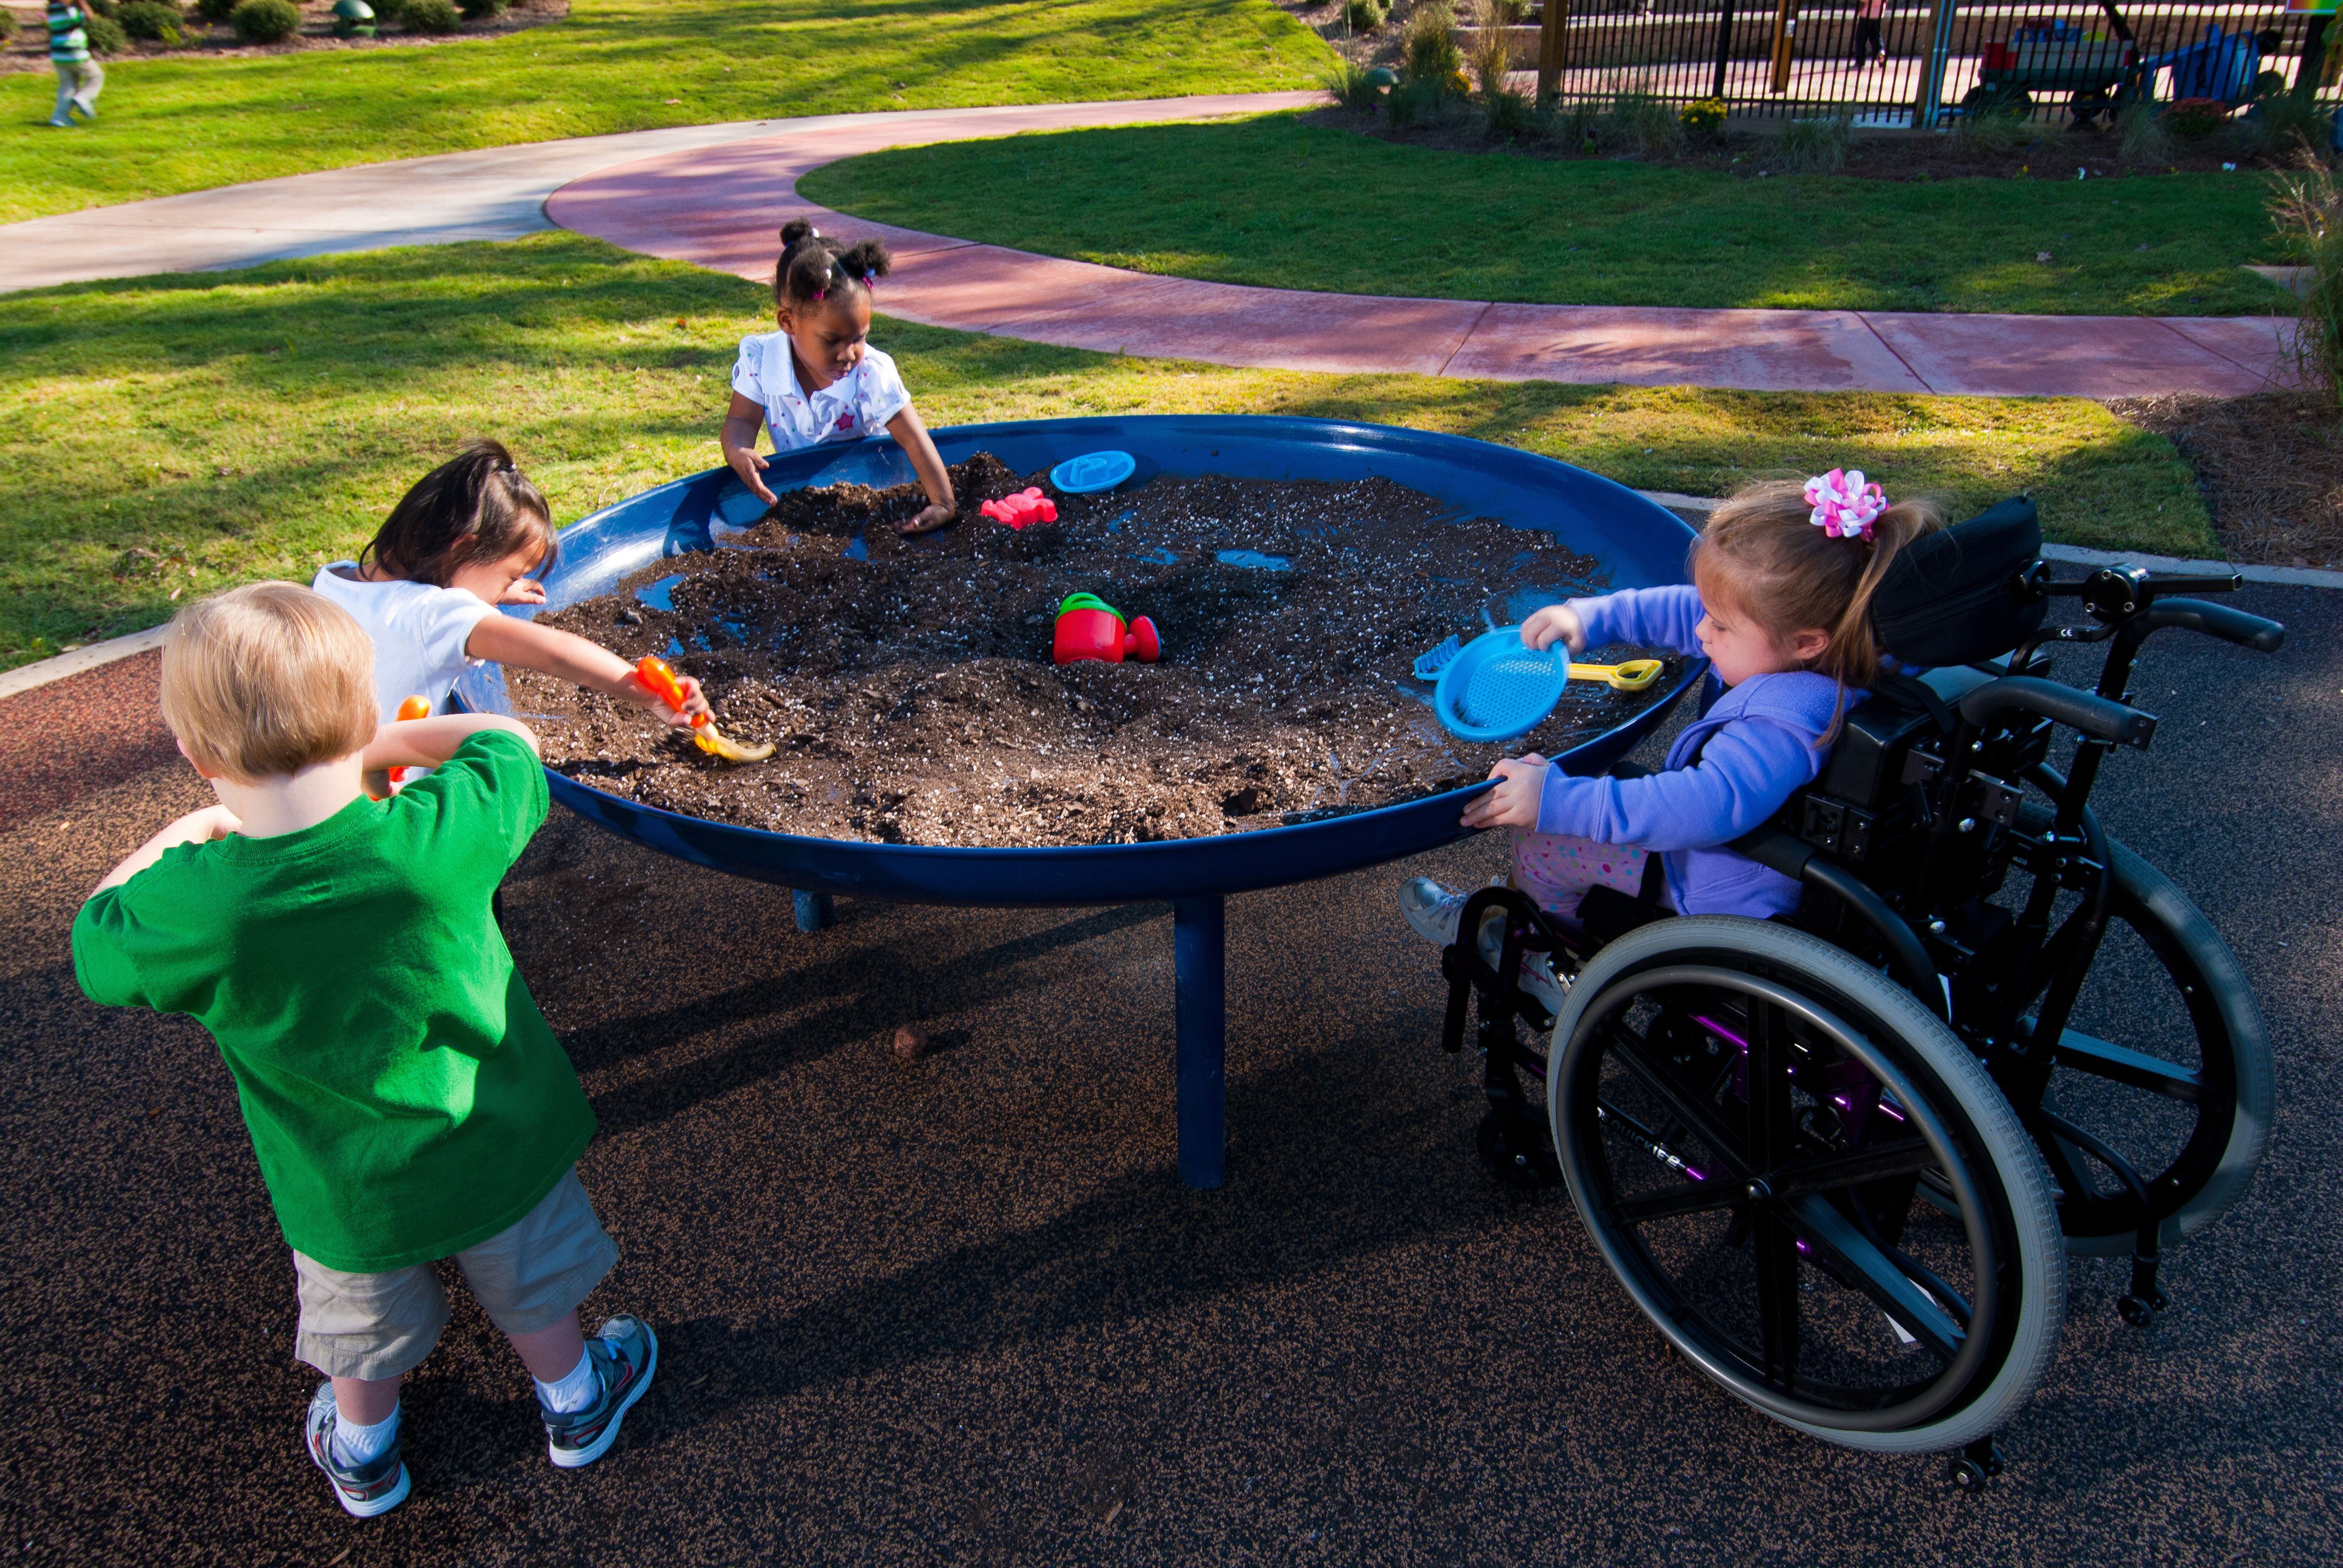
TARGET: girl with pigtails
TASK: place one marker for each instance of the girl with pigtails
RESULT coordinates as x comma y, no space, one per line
818,379
1780,605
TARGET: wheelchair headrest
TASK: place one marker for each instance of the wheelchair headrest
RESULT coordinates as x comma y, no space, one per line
1956,595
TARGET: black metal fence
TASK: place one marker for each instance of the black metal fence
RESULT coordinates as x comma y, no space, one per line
1923,62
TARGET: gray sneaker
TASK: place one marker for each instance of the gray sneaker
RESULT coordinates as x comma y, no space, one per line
378,1486
624,1353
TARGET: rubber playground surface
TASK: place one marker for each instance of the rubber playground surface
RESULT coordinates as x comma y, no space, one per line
963,1311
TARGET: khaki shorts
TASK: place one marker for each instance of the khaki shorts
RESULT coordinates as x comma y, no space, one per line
527,1277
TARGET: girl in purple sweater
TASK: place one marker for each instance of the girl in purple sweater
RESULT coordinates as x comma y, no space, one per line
1780,605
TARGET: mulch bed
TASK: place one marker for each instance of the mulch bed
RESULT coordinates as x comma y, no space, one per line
910,686
2271,466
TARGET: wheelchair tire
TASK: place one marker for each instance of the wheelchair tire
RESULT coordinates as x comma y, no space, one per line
2199,1175
1650,1083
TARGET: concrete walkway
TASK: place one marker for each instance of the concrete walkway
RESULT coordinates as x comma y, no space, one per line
715,196
720,207
496,193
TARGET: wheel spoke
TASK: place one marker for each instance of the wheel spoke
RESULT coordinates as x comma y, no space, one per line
1907,1157
1863,1265
1716,1192
1772,1137
1702,1119
2133,1069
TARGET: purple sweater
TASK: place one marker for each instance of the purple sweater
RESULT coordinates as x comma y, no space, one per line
1759,744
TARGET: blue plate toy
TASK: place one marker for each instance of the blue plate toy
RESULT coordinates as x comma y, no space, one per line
1496,689
1092,472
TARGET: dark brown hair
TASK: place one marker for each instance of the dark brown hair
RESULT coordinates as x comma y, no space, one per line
1764,551
478,505
815,268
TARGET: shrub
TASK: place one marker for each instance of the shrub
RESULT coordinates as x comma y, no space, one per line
2196,118
1640,123
2282,123
1427,49
217,11
428,17
389,13
2307,209
8,23
1503,12
2144,139
481,10
1703,121
1418,103
153,20
1816,146
105,9
1571,125
105,35
1365,16
1354,87
1995,134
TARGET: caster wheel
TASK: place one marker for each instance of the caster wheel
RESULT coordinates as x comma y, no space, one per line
1511,1157
1968,1475
2136,1312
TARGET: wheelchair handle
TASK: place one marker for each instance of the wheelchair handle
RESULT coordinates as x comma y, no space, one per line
2094,715
2214,620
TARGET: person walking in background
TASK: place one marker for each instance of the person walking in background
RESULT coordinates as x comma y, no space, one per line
1869,49
79,77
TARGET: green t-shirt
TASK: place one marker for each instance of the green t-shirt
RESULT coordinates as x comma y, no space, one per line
405,1097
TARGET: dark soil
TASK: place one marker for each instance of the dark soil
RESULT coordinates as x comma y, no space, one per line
2056,153
2271,466
910,686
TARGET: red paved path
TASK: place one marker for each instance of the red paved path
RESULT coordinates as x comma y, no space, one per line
720,207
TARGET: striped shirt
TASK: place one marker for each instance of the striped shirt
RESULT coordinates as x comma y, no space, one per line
69,45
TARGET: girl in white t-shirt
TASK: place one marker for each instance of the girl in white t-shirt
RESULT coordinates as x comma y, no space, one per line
818,379
470,536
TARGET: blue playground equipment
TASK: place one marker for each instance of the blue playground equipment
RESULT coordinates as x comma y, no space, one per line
1637,542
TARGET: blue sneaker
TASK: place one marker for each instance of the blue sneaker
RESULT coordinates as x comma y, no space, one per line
378,1486
624,1353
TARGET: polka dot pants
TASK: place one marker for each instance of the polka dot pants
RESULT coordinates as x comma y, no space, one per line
1557,868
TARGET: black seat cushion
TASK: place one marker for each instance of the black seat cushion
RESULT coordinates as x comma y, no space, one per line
1957,595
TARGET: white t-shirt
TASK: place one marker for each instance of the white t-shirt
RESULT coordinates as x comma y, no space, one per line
858,404
418,631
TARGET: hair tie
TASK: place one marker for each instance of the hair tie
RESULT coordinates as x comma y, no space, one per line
1844,506
870,277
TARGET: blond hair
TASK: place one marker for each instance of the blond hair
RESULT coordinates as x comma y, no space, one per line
266,680
1762,552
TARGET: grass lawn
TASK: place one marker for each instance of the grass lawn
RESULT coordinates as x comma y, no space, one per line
176,434
1274,201
170,126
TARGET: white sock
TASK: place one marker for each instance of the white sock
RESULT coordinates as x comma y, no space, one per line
572,1393
355,1445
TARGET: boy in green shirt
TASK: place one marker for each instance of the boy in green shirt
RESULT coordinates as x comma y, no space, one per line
405,1098
79,77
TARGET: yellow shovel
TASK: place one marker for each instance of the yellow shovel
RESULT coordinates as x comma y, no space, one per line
1633,676
654,672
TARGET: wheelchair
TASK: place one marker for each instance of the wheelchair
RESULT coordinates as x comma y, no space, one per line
1839,1159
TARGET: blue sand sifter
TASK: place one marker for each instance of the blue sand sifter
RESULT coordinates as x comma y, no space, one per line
1092,472
1496,689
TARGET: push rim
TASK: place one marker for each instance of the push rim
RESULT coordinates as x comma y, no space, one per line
1823,1264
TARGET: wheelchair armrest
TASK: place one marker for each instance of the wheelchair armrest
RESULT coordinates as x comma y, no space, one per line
1778,849
2094,715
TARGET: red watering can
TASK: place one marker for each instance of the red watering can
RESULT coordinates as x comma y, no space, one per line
1090,627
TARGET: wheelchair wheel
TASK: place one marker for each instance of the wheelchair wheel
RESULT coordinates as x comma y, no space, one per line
1745,1115
2167,1059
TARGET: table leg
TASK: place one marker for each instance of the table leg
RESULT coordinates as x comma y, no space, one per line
815,912
1200,1059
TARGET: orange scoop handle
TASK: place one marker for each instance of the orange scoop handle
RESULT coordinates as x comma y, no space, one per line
660,675
414,707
